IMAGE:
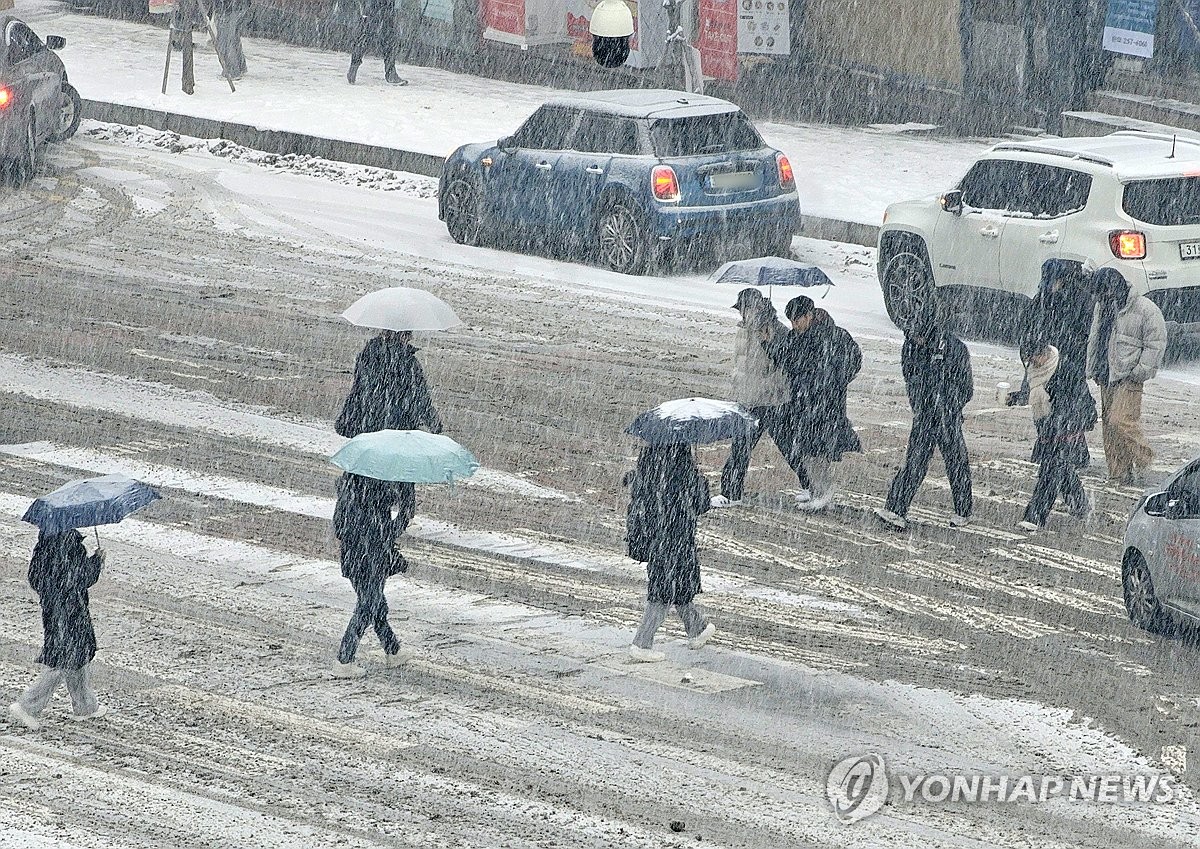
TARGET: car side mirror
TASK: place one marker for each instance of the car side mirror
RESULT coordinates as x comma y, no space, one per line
55,42
952,202
1156,505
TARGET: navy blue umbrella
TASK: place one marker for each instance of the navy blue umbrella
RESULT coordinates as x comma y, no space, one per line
692,421
771,271
86,503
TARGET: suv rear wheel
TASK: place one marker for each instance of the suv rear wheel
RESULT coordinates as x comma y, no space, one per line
908,291
1141,602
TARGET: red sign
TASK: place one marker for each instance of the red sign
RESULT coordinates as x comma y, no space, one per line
717,40
505,16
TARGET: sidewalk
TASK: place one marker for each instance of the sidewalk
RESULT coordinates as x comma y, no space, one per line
848,174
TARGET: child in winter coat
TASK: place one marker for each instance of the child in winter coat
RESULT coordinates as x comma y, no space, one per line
1063,411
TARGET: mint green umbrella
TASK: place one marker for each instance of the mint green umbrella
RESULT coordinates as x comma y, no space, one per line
409,456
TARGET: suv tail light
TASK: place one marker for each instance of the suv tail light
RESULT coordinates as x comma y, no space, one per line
1127,244
664,183
787,179
5,97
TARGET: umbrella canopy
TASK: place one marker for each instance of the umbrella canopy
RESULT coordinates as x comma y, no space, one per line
692,420
410,456
402,308
771,271
90,502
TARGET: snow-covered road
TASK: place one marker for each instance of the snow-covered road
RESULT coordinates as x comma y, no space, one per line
175,315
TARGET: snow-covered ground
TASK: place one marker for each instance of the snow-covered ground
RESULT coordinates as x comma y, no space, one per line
843,173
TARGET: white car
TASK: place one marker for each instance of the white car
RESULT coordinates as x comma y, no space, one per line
1160,566
1130,200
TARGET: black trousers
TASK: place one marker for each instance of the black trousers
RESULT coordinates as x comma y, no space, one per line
947,437
1056,476
776,422
371,611
377,28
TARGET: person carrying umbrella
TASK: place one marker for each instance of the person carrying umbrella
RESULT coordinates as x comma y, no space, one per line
937,374
761,388
667,494
820,360
60,572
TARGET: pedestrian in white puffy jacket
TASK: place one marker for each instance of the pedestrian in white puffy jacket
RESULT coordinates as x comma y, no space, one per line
763,389
1125,349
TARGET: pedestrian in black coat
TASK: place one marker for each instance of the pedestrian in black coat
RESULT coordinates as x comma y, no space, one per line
60,572
1064,410
667,494
389,391
376,29
363,521
1060,314
820,360
937,374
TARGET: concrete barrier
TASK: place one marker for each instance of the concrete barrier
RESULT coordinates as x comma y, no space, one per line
284,142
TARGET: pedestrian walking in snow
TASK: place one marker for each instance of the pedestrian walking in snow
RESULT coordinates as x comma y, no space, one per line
1061,314
186,15
667,494
820,360
1125,348
937,374
760,387
376,29
1063,411
389,390
60,572
228,17
363,521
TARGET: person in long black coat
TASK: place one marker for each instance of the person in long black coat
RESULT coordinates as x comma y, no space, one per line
820,360
376,29
937,374
1060,314
363,521
667,494
1064,410
60,572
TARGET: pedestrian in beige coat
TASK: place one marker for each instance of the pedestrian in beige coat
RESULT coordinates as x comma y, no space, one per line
1125,348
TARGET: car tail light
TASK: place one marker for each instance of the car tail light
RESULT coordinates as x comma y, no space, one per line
786,178
664,183
1127,244
5,96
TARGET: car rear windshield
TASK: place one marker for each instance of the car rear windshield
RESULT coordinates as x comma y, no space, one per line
1170,203
700,135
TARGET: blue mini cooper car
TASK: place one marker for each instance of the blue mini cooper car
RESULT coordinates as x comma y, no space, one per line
625,177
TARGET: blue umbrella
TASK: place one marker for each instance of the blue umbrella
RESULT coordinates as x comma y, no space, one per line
409,456
692,421
90,502
771,271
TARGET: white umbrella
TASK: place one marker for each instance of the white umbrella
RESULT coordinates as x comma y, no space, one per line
402,308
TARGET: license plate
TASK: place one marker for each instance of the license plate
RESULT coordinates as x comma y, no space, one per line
736,180
1189,250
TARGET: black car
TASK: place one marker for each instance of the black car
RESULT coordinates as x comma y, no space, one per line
37,104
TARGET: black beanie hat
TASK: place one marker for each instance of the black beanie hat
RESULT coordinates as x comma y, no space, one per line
798,307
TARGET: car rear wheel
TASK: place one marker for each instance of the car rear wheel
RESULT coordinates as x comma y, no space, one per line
908,292
70,115
621,243
460,208
1141,602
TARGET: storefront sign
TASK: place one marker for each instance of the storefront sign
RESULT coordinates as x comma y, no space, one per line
1129,27
717,40
763,27
163,7
525,23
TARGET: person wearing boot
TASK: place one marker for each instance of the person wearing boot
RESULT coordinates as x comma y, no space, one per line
376,28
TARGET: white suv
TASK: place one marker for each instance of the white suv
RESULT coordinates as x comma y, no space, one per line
1130,200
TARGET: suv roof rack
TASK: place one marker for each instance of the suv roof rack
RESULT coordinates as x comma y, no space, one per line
1026,147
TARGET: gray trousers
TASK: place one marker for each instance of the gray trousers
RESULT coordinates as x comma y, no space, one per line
229,40
820,475
655,614
79,685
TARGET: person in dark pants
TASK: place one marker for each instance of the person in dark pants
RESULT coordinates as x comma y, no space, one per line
389,390
667,494
820,360
1061,314
228,16
1063,411
364,523
376,28
60,572
187,14
760,387
937,375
